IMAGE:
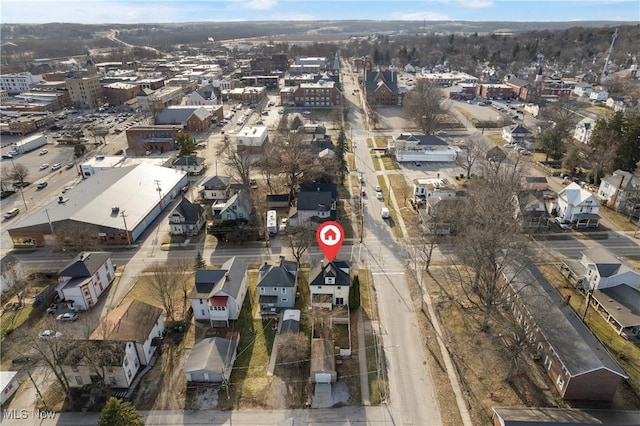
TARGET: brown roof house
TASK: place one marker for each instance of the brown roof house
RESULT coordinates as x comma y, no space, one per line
133,322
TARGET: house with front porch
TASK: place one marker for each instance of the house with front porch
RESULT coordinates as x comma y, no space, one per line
277,286
238,207
611,285
516,134
190,164
577,206
530,211
218,294
330,284
186,219
83,281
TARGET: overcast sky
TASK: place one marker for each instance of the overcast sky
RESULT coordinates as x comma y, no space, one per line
132,11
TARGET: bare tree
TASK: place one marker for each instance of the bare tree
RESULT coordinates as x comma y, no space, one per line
269,164
489,237
473,150
165,280
240,163
294,350
295,159
75,237
298,239
19,173
424,106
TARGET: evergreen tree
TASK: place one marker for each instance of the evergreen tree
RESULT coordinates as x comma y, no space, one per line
628,153
341,150
187,144
121,413
199,263
354,293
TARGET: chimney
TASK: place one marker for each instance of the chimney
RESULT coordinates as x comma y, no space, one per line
226,276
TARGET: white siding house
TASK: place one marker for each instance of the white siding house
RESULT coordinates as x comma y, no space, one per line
577,206
83,281
330,284
219,293
584,129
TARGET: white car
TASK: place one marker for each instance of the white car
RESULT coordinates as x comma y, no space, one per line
43,151
48,334
56,166
305,112
378,188
44,166
379,195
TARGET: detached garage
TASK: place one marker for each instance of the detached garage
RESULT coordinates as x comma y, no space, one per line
211,360
323,362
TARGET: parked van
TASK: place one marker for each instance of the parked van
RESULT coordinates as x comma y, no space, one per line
11,213
384,212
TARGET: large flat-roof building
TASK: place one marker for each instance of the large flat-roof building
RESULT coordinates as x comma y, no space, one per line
114,209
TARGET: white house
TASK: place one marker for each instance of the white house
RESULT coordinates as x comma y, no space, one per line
612,284
218,294
598,95
577,206
427,148
136,322
9,384
424,188
516,134
216,188
190,164
615,103
83,280
582,89
621,191
584,130
251,137
186,219
211,360
118,367
195,98
11,272
330,284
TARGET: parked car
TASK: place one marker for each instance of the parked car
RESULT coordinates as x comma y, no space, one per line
378,188
42,185
44,166
306,112
69,166
48,334
67,316
56,166
12,213
7,156
418,164
52,308
43,151
379,195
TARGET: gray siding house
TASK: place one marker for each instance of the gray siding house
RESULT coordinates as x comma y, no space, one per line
277,285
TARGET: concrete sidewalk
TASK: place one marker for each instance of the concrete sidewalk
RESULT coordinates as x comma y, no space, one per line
362,360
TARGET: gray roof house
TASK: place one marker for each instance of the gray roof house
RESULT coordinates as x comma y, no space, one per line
211,360
544,416
614,287
190,164
316,206
621,191
516,134
239,206
578,365
186,219
218,294
329,284
277,285
216,188
85,278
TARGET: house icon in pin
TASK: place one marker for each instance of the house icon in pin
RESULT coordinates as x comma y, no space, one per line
330,234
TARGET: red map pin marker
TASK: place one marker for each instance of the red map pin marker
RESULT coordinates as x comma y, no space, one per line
330,236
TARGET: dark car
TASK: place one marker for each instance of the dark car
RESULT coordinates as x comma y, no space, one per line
42,185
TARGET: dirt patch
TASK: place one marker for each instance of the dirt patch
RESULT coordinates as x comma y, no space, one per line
164,386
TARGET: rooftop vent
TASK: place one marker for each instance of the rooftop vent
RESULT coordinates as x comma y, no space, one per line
115,210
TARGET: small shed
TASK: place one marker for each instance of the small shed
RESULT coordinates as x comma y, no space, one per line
290,321
9,384
211,360
323,362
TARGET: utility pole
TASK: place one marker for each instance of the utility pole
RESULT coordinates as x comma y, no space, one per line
125,227
38,393
159,189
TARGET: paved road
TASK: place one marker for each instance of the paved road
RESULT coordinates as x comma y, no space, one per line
331,416
412,398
